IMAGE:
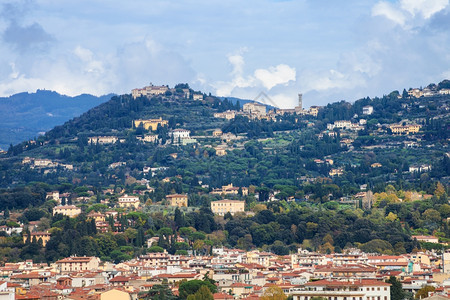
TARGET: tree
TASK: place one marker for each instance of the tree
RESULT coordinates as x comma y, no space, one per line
203,293
397,292
423,292
191,287
274,293
160,292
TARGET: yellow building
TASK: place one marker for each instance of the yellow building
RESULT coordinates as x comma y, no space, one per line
150,123
314,110
129,201
67,210
178,200
221,207
407,129
115,295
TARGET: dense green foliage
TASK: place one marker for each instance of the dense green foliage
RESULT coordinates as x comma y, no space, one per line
286,160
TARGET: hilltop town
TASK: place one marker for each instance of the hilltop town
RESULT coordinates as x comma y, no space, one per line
159,192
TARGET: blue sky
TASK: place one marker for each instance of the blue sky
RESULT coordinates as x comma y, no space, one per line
328,50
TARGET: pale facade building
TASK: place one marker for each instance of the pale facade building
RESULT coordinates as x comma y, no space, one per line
221,207
367,110
76,264
150,90
126,201
254,108
357,289
67,210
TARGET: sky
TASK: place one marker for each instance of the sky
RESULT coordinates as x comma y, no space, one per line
326,50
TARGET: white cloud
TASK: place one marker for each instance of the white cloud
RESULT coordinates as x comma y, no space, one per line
274,76
405,12
426,8
263,79
388,11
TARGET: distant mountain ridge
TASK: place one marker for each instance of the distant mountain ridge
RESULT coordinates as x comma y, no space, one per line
26,115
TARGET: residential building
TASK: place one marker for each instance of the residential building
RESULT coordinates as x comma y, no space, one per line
228,115
221,207
358,289
426,238
405,129
221,151
76,264
67,210
314,110
180,134
129,201
367,110
177,200
197,96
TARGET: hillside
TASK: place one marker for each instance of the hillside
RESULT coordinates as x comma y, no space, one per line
367,174
26,115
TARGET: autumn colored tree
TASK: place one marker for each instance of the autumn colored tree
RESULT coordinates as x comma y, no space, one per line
274,293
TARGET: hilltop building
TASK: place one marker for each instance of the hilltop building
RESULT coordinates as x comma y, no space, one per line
254,108
149,91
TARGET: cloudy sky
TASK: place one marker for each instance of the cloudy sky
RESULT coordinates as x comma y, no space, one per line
328,50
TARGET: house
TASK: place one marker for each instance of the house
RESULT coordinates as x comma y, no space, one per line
221,207
217,133
177,200
367,110
336,172
76,264
426,238
197,96
53,196
221,151
179,134
405,129
362,289
228,115
129,201
314,110
67,210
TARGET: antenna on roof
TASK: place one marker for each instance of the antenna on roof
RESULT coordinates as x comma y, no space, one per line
264,98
